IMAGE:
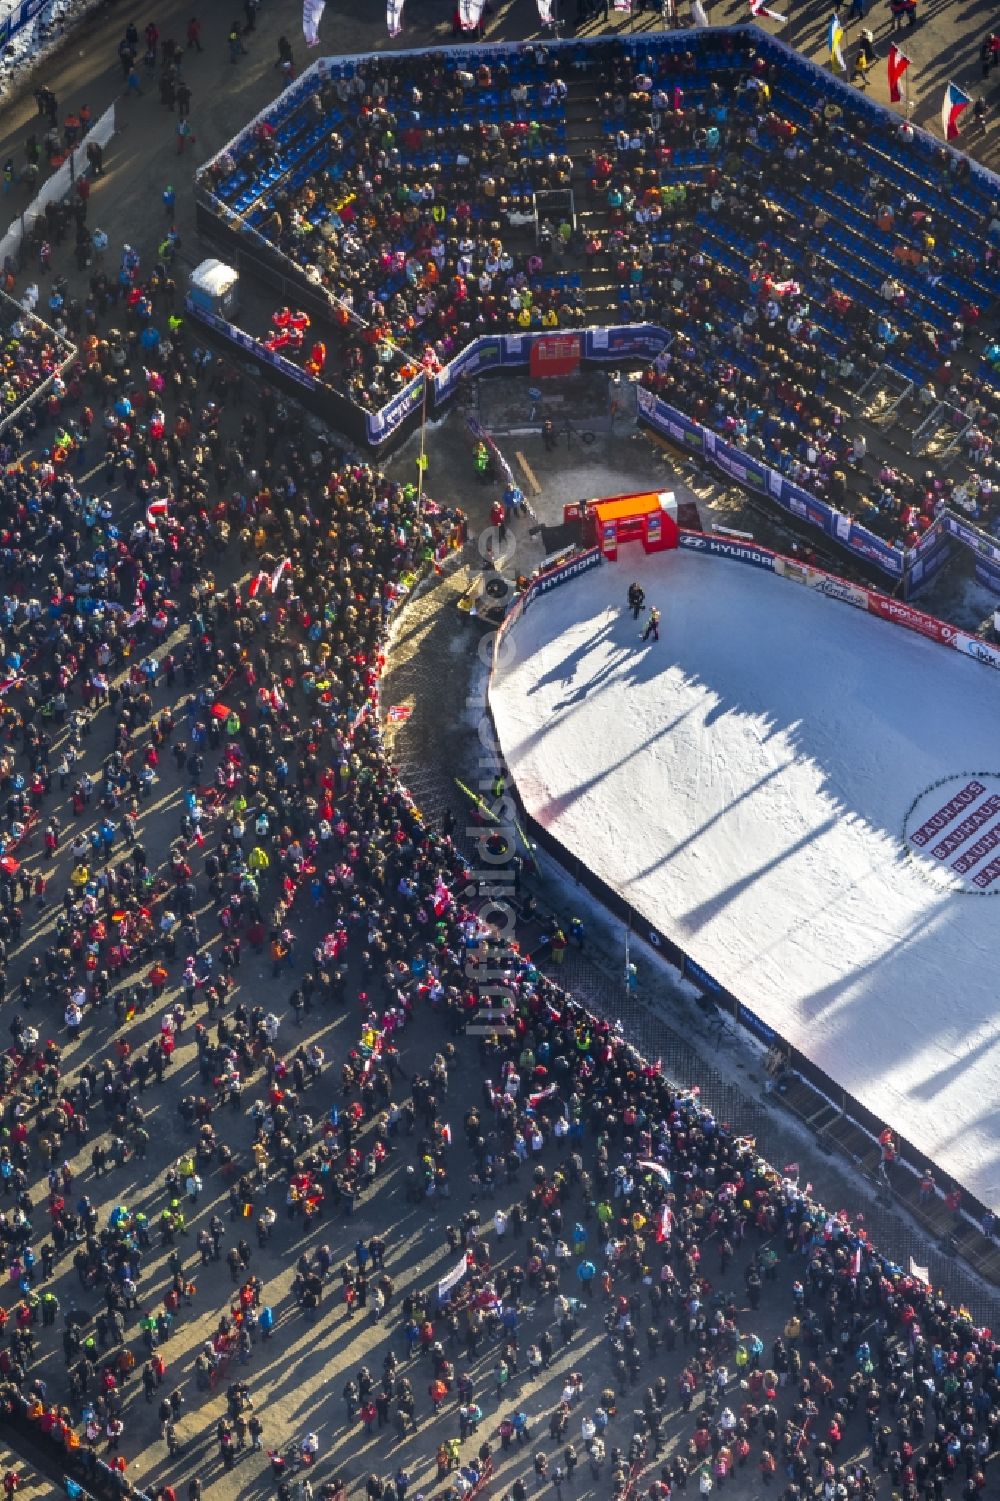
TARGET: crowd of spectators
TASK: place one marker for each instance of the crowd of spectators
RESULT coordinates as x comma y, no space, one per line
32,354
792,241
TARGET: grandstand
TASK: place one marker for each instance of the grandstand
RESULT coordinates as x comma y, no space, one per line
808,260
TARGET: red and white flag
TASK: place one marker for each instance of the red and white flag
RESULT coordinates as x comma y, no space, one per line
158,510
897,63
257,584
758,8
276,575
666,1224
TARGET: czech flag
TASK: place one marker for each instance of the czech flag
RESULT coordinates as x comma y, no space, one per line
953,104
897,62
834,38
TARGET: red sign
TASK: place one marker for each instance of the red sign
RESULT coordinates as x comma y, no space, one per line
913,620
555,354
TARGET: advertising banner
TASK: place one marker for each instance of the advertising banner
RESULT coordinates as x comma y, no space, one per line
395,412
19,16
973,538
910,618
582,563
806,507
640,340
930,539
247,342
866,545
746,470
722,547
701,977
923,570
555,354
988,573
980,651
753,1023
824,583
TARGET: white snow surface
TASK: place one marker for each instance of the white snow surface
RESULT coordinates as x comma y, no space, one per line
744,784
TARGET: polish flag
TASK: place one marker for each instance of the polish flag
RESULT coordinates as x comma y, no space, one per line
897,63
276,575
158,510
666,1224
257,584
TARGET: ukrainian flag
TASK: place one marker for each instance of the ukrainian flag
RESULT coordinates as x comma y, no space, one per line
835,37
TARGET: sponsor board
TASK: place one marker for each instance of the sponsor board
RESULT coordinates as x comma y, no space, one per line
962,833
556,576
876,551
911,619
722,547
693,971
823,583
981,651
943,817
974,539
753,1023
847,593
385,421
951,833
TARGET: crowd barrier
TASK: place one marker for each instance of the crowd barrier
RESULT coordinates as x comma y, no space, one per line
859,596
56,186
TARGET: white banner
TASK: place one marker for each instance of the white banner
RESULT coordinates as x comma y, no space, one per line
394,16
545,12
624,5
312,14
921,1273
452,1279
470,13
